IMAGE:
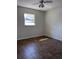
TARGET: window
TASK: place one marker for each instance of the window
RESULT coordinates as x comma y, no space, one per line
29,19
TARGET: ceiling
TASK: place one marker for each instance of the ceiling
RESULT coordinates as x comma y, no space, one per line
33,4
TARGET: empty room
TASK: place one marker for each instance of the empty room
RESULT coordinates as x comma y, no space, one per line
39,29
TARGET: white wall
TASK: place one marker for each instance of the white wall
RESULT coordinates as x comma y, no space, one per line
47,23
29,31
54,23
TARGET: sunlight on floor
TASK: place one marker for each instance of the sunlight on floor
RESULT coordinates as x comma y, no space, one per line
43,39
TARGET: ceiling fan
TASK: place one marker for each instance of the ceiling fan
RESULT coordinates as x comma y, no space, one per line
42,2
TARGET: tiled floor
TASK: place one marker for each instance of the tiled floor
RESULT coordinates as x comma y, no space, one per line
39,48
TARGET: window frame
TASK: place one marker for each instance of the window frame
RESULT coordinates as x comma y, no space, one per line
33,20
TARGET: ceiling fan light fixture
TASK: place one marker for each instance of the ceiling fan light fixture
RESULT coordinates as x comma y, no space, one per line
41,6
42,3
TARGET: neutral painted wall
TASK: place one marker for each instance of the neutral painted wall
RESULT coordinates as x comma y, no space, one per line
54,23
29,31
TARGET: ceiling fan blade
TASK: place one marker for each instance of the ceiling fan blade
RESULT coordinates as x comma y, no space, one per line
35,3
48,1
